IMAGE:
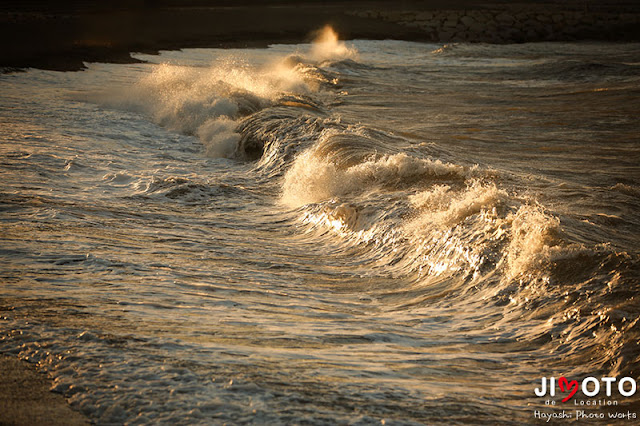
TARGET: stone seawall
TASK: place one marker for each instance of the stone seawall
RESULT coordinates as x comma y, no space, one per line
514,25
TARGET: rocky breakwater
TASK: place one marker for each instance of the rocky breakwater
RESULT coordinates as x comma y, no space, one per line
514,25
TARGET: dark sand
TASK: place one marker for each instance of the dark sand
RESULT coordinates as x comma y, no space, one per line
25,398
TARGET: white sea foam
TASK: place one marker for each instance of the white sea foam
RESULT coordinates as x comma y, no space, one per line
313,177
219,137
532,235
207,102
441,206
493,216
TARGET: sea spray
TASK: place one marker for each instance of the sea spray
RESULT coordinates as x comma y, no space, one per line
326,45
207,101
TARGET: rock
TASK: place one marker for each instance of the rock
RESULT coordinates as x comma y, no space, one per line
424,16
467,20
543,18
515,23
427,27
505,18
515,35
450,22
477,28
444,35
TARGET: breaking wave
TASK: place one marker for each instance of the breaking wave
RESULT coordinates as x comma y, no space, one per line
452,232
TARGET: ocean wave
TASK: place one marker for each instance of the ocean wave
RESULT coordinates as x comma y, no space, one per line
446,232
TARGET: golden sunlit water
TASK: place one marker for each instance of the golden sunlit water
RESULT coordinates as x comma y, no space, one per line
372,232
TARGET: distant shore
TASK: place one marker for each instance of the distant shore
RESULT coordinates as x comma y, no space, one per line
64,35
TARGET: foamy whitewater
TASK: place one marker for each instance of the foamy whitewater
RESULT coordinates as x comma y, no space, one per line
376,232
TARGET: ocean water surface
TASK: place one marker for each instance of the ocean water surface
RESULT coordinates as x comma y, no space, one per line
376,232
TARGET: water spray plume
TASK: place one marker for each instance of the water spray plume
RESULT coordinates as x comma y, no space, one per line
327,45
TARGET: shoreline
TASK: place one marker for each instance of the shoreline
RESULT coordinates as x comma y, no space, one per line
64,36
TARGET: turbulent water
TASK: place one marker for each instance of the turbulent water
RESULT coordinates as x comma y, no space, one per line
377,232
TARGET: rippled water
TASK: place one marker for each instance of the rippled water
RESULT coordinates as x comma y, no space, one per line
378,232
